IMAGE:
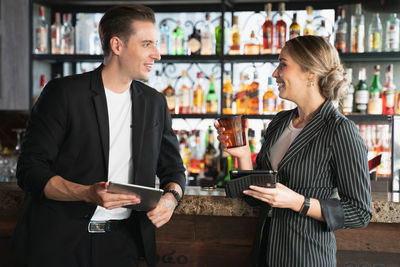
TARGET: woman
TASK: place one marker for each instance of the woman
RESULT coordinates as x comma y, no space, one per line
318,153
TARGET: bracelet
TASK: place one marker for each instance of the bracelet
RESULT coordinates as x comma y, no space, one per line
306,207
176,195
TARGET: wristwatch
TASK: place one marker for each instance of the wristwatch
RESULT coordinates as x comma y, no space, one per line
176,195
306,206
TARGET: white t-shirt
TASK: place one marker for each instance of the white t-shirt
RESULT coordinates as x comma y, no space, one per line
279,149
120,164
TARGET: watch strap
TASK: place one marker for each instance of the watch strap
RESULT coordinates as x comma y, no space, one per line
175,194
306,206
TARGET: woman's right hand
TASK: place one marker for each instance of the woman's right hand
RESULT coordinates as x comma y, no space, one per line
239,152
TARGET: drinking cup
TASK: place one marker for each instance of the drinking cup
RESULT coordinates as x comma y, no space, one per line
234,129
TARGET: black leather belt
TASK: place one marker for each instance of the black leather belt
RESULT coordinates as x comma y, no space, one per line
105,226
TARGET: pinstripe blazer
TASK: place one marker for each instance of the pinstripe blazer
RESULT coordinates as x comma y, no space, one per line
326,156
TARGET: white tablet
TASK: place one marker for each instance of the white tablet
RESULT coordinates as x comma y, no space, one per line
149,196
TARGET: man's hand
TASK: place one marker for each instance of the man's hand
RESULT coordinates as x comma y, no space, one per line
164,210
98,195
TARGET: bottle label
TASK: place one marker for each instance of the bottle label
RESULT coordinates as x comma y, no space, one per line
392,41
212,106
375,105
235,39
269,105
268,37
194,45
184,100
41,39
340,41
362,97
170,101
164,44
360,38
376,40
348,104
227,100
198,98
282,36
390,99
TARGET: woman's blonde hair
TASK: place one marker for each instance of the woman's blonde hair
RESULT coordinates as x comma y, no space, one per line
316,54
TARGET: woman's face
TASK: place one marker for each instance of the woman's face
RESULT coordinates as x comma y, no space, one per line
291,79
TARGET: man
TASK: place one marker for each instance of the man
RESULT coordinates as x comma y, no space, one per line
86,130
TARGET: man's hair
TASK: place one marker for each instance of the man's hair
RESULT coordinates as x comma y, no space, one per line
117,21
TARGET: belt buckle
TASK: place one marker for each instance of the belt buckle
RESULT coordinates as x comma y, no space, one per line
97,227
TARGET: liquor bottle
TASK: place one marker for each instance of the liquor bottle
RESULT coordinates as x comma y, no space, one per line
84,30
68,36
235,38
164,39
375,34
41,33
253,90
207,37
210,154
196,155
157,82
323,31
198,96
284,104
184,148
357,36
389,92
194,43
169,94
309,28
268,31
177,39
227,97
384,148
361,94
184,94
252,46
341,31
242,97
294,28
95,43
398,102
41,86
392,33
280,29
218,38
56,34
375,93
269,99
348,99
212,98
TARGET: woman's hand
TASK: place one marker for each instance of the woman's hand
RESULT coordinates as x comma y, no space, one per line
280,196
239,152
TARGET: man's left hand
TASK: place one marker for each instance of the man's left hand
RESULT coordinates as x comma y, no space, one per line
164,210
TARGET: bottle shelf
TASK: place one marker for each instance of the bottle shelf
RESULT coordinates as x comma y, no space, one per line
346,57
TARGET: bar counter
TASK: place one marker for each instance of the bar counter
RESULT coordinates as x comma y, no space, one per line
209,229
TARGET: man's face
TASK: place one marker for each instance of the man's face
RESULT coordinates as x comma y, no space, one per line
140,51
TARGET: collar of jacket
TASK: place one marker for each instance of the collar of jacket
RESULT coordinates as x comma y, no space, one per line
309,132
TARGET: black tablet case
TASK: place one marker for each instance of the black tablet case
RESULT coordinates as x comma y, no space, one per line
241,180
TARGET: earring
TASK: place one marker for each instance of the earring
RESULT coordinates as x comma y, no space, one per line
310,83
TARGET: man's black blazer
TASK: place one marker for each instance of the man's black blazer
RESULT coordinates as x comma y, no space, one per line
68,135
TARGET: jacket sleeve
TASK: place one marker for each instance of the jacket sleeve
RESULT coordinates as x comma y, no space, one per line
170,166
350,168
44,134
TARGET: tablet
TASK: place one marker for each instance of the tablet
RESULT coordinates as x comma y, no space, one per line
241,180
149,196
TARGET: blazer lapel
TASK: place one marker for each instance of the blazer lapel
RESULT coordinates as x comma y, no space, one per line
100,104
308,133
138,108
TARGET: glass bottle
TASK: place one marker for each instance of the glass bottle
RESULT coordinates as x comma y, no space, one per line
56,34
357,36
178,37
280,30
392,33
68,36
164,39
268,31
252,46
194,43
323,31
375,93
95,43
242,97
207,37
269,99
389,92
309,28
375,34
348,99
235,38
184,94
227,97
294,28
361,94
218,38
169,94
198,96
341,31
157,82
212,98
41,33
398,102
253,90
210,154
